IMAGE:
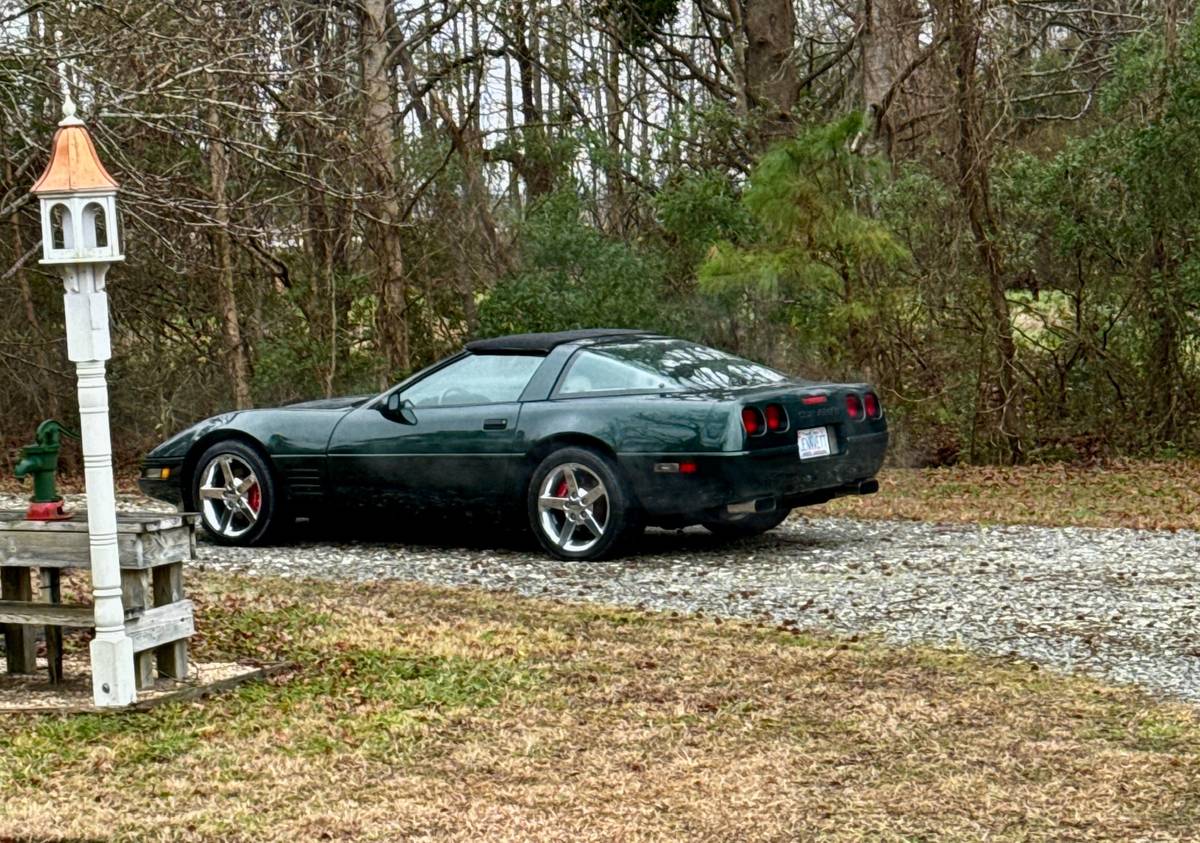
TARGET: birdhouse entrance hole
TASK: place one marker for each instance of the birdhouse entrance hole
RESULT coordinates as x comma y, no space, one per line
95,227
61,230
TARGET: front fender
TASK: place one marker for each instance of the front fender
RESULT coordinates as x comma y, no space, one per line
293,439
176,449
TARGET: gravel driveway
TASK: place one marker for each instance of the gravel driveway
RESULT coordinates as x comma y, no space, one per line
1123,604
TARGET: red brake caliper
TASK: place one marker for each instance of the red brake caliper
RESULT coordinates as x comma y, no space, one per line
561,492
254,498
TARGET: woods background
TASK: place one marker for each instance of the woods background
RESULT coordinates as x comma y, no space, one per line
986,208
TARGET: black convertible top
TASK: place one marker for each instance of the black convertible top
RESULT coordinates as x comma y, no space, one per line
543,343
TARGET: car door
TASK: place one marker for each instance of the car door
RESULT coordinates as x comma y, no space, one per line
455,444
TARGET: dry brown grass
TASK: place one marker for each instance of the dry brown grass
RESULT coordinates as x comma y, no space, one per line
1141,494
434,714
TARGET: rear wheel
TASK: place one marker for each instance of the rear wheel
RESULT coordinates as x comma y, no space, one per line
235,493
579,505
747,525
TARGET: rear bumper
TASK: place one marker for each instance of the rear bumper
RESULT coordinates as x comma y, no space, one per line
777,474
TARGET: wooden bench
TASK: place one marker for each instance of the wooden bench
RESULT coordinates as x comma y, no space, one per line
153,548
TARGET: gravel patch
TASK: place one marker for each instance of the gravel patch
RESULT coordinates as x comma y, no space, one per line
1119,604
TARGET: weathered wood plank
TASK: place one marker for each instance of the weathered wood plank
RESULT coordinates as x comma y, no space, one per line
161,625
44,614
143,670
137,589
165,547
172,658
168,583
52,594
202,691
46,549
12,520
20,647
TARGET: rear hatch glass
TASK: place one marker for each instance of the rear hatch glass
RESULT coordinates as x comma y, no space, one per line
662,365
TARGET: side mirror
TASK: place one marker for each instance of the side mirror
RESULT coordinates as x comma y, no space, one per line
398,409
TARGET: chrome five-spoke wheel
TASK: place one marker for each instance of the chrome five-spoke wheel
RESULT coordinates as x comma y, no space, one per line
230,495
573,508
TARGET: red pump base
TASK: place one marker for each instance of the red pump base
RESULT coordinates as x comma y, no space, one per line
47,511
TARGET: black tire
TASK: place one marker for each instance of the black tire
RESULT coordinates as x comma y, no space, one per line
749,525
242,529
620,517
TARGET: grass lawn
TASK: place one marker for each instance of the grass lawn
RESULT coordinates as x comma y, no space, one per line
425,713
1146,494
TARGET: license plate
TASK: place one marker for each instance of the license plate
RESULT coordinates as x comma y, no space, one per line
813,442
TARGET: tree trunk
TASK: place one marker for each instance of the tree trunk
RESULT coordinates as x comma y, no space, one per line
1160,276
972,161
614,179
536,166
231,329
391,315
514,182
737,36
316,148
771,73
887,43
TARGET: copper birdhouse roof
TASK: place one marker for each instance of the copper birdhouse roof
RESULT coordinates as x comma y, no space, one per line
74,164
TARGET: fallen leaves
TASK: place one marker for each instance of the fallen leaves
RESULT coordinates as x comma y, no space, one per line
1156,495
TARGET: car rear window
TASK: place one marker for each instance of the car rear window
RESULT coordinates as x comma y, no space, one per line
660,366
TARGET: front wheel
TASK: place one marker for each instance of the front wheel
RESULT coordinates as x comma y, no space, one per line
579,505
235,493
748,525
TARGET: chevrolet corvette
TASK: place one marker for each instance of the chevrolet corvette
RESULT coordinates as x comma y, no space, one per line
588,435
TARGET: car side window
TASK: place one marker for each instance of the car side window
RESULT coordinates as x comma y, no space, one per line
475,379
591,372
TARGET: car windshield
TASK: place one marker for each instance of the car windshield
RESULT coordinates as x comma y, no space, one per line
661,366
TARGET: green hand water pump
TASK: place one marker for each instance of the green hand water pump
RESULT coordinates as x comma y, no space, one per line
40,461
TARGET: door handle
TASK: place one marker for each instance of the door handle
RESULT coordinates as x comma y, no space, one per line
495,424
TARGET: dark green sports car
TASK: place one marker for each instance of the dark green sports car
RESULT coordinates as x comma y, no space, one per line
593,434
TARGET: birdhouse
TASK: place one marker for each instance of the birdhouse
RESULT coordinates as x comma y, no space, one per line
78,199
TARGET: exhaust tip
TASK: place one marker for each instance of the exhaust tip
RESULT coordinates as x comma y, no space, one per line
751,507
867,487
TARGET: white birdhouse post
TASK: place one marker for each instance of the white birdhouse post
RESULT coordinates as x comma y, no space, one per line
79,234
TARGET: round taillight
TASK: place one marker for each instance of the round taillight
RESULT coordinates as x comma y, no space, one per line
854,408
753,421
871,403
776,418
